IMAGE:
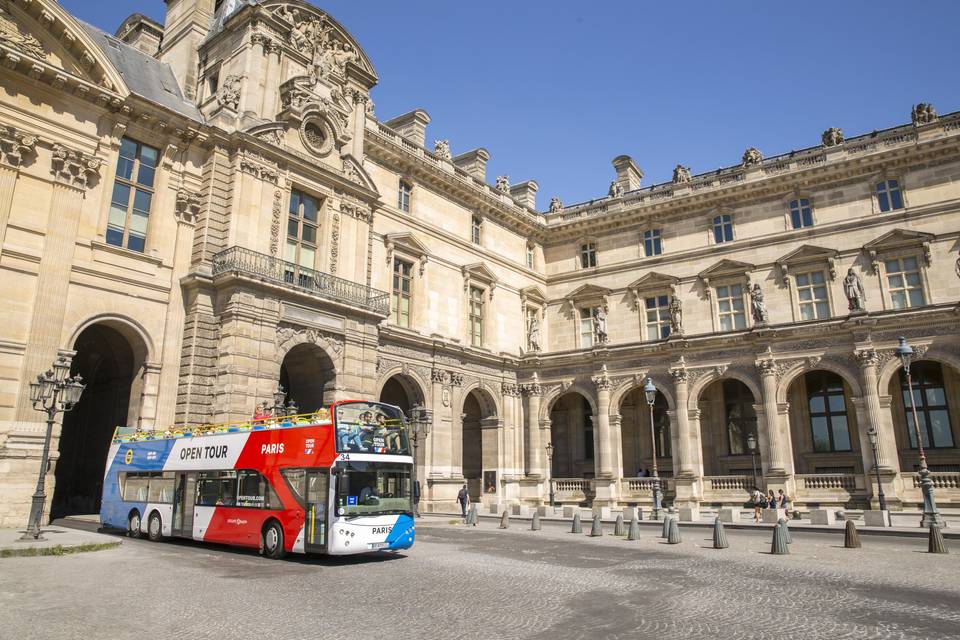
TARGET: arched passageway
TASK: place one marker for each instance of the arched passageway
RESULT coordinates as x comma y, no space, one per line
936,394
479,444
823,425
572,437
402,391
309,377
110,367
728,425
636,440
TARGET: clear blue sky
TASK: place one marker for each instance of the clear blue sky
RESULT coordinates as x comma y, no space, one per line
555,90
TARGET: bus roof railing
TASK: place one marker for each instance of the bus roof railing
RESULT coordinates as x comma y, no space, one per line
133,434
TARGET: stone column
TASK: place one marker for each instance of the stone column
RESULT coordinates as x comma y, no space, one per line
888,462
773,451
535,450
683,461
606,483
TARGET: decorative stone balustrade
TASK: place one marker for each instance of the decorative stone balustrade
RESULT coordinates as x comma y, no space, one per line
828,481
940,480
738,484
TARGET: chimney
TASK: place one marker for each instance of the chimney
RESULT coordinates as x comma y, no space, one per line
628,173
474,162
142,33
525,194
186,25
412,126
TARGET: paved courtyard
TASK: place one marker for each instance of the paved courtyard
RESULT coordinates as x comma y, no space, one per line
483,582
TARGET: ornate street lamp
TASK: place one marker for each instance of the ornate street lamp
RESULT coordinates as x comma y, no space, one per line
872,436
650,392
420,428
752,446
292,408
53,393
279,396
549,449
930,513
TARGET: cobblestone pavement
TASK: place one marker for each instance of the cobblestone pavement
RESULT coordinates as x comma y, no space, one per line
482,582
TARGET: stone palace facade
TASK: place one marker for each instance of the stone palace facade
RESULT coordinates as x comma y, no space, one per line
196,212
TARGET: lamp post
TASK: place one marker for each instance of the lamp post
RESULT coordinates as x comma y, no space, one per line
650,392
278,398
752,446
420,422
930,513
549,449
53,392
872,436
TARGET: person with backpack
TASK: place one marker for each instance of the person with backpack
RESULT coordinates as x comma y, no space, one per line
758,503
782,497
463,498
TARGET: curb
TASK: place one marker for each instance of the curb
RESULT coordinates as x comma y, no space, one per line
57,549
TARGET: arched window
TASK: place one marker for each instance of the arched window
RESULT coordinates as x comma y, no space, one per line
931,403
828,412
740,415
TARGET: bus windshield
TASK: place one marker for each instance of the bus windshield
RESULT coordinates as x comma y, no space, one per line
370,427
372,489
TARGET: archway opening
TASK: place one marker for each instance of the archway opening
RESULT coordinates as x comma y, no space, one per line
637,442
936,396
309,377
823,425
109,366
479,445
728,424
401,391
572,437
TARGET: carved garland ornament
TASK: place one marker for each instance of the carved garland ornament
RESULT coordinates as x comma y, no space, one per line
277,217
288,337
334,242
187,206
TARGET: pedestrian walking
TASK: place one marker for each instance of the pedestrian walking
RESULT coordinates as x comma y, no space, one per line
757,499
416,498
463,498
782,497
771,499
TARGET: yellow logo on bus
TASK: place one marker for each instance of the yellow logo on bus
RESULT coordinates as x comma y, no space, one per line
128,458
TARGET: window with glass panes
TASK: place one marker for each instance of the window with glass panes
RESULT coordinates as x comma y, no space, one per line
302,231
588,255
828,412
476,316
723,228
476,224
888,195
658,317
741,417
930,399
812,295
730,307
652,244
403,196
586,327
402,283
903,279
801,213
132,195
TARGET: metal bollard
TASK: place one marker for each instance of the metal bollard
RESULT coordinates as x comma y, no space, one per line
634,532
719,535
779,545
619,529
851,539
576,528
596,529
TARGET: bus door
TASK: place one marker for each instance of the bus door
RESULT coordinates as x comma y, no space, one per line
315,519
183,504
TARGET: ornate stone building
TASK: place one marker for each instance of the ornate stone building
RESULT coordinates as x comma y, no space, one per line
196,212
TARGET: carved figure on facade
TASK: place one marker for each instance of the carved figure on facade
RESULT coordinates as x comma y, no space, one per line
533,333
680,375
187,207
923,113
315,36
16,144
602,381
616,189
229,94
12,36
600,325
555,204
503,184
676,316
681,174
751,157
832,137
440,376
288,337
456,379
767,367
758,307
854,291
75,167
441,149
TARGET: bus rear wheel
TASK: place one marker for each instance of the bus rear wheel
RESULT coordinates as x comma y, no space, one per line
272,541
133,524
155,527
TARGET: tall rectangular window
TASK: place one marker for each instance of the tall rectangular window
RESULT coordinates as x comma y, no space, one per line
812,294
476,225
801,213
930,399
888,195
476,316
730,307
402,282
530,256
658,317
132,195
723,228
652,244
586,327
588,255
828,412
300,252
903,278
403,196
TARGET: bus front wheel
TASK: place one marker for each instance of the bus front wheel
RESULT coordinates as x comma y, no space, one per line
155,527
133,524
273,541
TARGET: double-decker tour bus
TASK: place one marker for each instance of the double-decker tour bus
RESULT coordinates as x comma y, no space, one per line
336,481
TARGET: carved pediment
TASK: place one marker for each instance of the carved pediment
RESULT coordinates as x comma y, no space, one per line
806,255
533,294
725,267
896,240
589,294
653,280
479,273
355,172
406,244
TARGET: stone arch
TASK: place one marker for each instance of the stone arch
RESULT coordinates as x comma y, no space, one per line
704,381
409,381
662,382
488,399
827,364
557,391
290,337
892,365
479,439
309,376
133,331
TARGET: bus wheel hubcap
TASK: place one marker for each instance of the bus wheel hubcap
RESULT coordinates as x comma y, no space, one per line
271,539
155,526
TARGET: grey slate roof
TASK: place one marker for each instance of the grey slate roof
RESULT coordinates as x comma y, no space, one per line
145,76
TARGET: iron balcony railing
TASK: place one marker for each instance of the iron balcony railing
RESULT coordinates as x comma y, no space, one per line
277,271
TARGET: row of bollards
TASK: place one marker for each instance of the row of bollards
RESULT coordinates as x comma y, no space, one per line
780,545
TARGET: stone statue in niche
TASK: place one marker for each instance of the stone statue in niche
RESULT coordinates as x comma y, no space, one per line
757,305
600,325
533,333
854,291
676,316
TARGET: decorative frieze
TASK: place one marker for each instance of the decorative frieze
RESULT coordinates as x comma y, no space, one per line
456,379
334,242
440,376
288,337
75,168
187,206
275,222
262,171
510,389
